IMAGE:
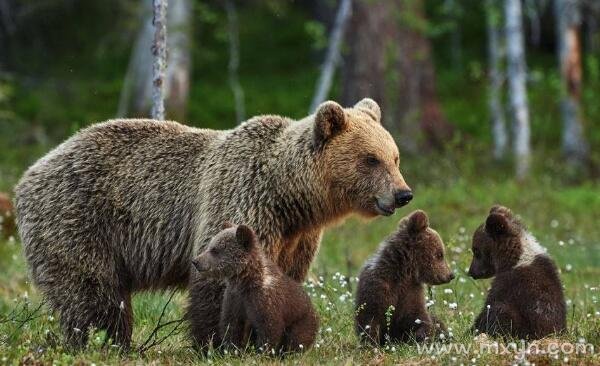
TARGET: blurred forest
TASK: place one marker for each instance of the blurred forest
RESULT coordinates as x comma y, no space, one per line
490,81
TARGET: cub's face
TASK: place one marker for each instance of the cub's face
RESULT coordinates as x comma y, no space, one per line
361,158
496,244
428,249
481,264
227,253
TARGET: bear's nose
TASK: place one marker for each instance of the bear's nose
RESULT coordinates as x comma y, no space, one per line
402,197
451,277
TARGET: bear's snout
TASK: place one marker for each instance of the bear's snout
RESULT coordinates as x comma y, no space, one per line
402,197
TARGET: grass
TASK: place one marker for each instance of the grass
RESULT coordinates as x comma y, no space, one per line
455,192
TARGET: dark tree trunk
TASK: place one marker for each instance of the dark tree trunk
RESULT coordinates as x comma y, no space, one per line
419,113
390,61
368,32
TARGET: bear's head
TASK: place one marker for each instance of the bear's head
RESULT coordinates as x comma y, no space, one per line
228,252
426,249
361,159
501,243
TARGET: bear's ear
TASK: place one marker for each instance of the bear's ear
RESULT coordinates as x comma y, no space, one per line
226,225
330,120
501,210
245,236
370,107
418,222
497,225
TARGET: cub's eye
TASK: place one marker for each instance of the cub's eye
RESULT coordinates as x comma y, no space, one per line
371,160
396,161
439,256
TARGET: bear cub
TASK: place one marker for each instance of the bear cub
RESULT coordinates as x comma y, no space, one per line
261,304
526,298
390,299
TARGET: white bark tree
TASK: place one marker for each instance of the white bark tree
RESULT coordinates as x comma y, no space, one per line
234,60
136,94
517,76
333,54
159,51
495,53
568,19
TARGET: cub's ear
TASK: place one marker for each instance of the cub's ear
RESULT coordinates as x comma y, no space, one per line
497,225
330,120
226,225
370,107
245,236
418,222
501,210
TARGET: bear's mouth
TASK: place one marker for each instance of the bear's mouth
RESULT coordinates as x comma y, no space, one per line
383,209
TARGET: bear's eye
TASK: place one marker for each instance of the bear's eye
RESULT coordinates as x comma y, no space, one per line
371,160
396,161
439,256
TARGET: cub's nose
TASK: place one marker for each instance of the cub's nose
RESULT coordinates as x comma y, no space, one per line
451,277
402,197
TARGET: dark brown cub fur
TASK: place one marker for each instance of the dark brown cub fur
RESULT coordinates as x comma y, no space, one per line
526,299
395,276
261,304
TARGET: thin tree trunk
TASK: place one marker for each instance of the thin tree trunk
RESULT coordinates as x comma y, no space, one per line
177,82
568,16
137,88
159,51
517,75
136,94
333,54
535,26
496,78
234,60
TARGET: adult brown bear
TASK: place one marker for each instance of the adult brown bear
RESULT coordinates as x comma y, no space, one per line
124,206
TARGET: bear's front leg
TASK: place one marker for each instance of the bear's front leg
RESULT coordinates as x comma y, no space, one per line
203,312
295,263
232,326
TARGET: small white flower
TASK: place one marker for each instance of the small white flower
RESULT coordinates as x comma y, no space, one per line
367,327
122,305
301,346
328,330
448,291
488,306
568,268
453,305
418,321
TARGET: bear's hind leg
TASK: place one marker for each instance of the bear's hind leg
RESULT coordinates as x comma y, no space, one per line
91,307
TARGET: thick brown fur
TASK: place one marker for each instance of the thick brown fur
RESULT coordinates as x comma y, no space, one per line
526,300
7,217
124,206
261,304
407,260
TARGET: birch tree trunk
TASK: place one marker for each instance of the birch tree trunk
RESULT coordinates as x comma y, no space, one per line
568,16
234,60
159,51
333,55
517,75
496,78
136,94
